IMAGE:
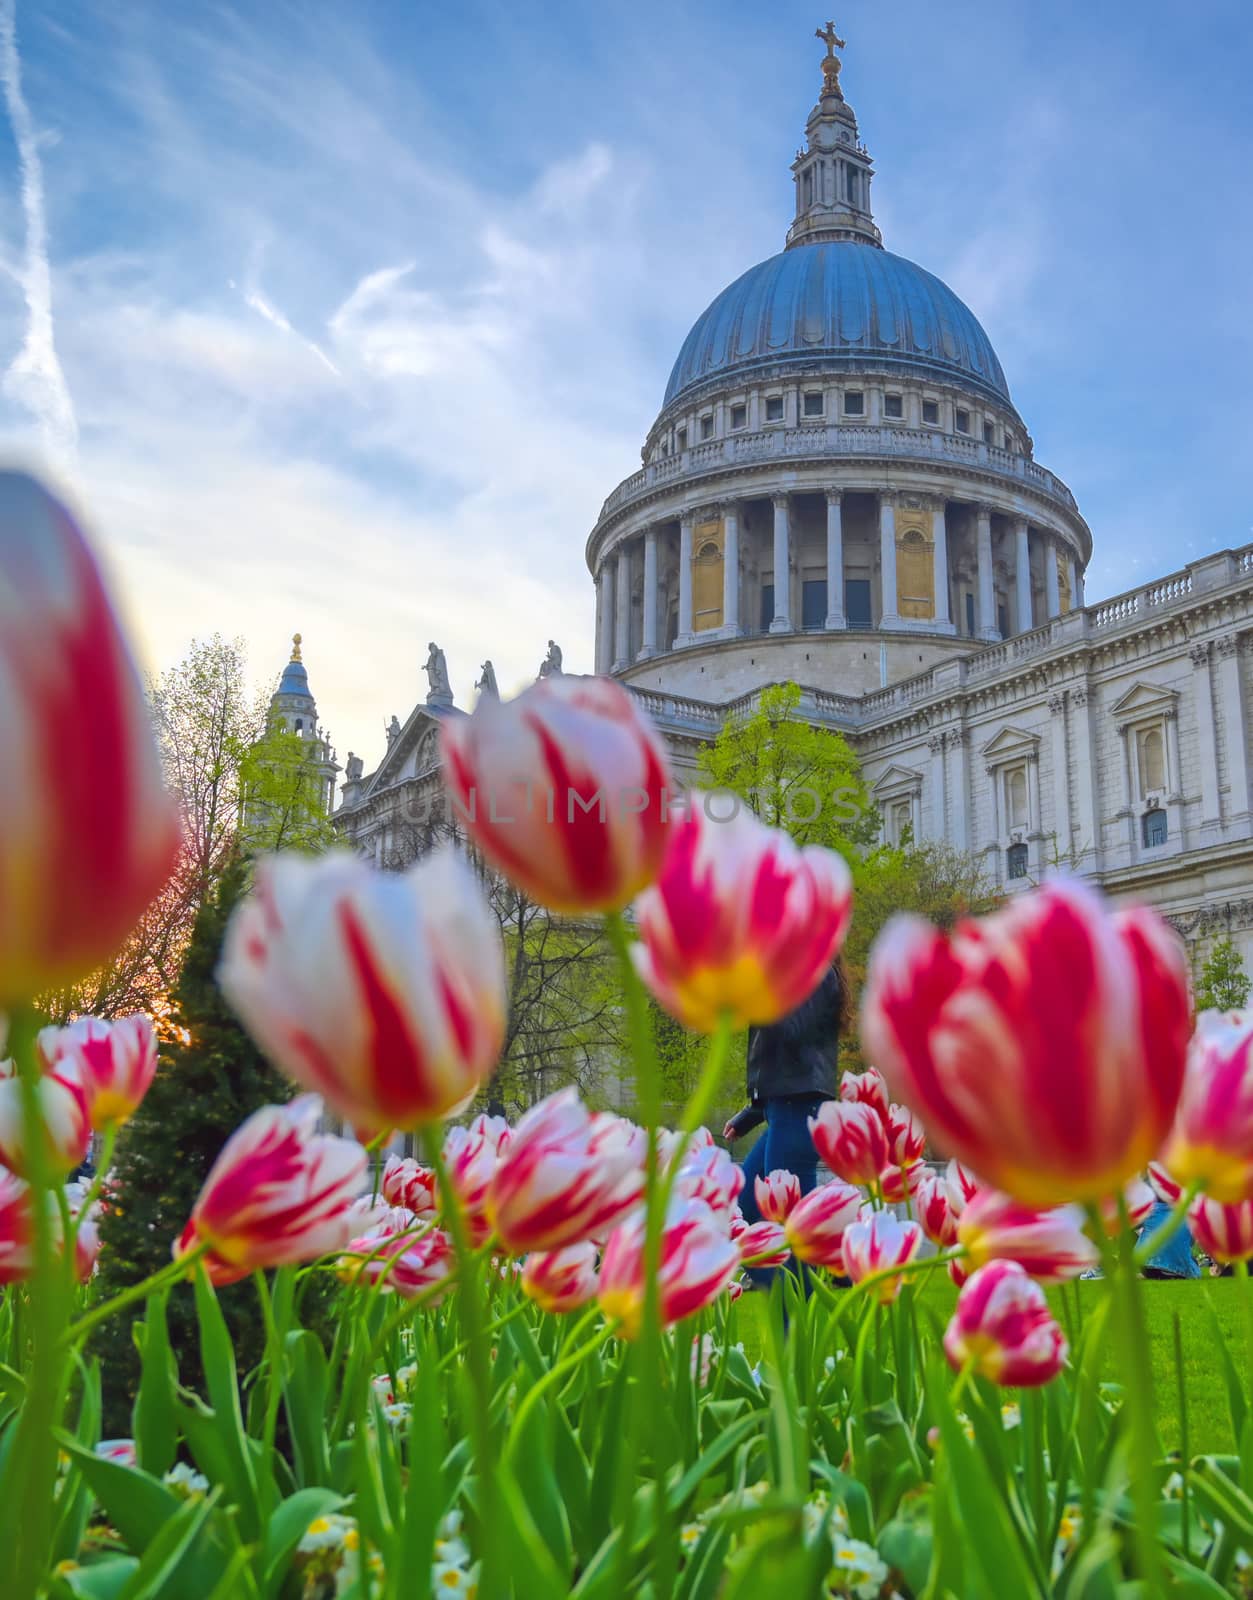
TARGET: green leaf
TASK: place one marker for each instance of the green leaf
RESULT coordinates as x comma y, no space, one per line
304,1399
1223,1499
906,1543
154,1421
103,1580
164,1556
74,1494
218,1358
1231,1378
287,1527
137,1504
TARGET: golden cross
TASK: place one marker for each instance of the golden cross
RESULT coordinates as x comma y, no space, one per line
830,38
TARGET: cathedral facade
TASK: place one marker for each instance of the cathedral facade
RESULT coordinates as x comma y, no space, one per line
839,492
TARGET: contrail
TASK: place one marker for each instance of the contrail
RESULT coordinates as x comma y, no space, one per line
34,379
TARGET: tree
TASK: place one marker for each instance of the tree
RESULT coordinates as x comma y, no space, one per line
211,1076
1223,984
282,795
792,775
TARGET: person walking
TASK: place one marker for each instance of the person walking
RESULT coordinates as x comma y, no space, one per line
791,1071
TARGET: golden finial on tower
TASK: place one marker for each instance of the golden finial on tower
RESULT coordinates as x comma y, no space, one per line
295,647
831,62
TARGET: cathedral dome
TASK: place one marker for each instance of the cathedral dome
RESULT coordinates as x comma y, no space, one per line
837,305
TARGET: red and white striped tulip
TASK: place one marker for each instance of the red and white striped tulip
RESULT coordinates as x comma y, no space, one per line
962,1186
1003,1328
712,1176
1138,1200
866,1088
567,1175
816,1224
561,1280
1043,1046
279,1193
907,1138
851,1138
116,1063
741,923
64,1115
86,1249
900,1184
408,1184
17,1229
777,1193
402,1255
934,1210
669,1139
698,1261
90,833
565,789
1223,1231
763,1244
470,1159
1051,1245
382,991
876,1243
1212,1140
1163,1184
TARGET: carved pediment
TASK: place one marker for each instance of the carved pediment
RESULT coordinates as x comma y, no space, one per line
1010,744
896,781
414,751
1144,700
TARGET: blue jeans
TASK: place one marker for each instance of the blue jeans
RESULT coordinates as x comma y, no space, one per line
784,1142
1176,1259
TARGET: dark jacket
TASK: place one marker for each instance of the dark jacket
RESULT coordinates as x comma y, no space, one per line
796,1055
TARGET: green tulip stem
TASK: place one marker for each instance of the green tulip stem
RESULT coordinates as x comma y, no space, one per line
1161,1237
179,1268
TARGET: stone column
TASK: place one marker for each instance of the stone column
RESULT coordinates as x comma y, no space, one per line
1128,808
1061,777
1207,743
887,562
684,635
835,561
959,816
1022,576
939,537
1035,812
604,643
1052,588
622,610
1088,851
1175,809
1076,584
731,570
988,629
782,621
936,746
1235,738
648,646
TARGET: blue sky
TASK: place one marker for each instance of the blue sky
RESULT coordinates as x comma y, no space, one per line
346,317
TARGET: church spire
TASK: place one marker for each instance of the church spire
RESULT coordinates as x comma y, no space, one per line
834,170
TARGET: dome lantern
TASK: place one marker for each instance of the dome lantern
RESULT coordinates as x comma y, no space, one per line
834,171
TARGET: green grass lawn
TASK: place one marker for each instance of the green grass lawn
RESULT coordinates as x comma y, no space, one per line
1209,1422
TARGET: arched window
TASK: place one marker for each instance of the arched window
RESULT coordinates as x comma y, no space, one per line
1152,760
707,585
902,822
1153,828
1016,861
1065,598
1016,815
915,575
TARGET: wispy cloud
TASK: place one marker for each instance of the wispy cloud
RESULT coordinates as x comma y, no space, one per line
34,378
258,302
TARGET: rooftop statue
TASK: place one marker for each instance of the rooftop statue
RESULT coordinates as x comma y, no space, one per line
550,667
487,682
437,674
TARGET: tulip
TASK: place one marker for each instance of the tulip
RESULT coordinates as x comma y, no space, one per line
1044,1045
900,1184
564,789
934,1210
668,1140
408,1184
115,1061
712,1176
278,1193
17,1229
1163,1184
402,1255
867,1087
763,1244
907,1138
875,1243
1223,1231
1003,1328
960,1185
776,1194
815,1225
561,1280
470,1158
383,991
741,924
1138,1200
698,1261
1051,1245
64,1114
851,1139
86,1249
90,833
567,1175
1212,1140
